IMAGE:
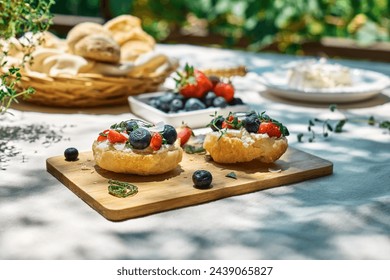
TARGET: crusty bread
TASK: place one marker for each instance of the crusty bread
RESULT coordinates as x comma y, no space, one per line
51,41
82,30
65,63
128,33
99,48
121,27
132,49
241,146
139,163
38,57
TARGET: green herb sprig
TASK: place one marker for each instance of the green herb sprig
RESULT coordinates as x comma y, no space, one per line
329,126
121,189
17,17
231,175
192,149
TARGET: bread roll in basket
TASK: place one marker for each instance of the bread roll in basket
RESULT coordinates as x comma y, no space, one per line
96,65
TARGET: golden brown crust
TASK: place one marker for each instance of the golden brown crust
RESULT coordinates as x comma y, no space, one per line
132,49
231,148
99,48
122,27
82,30
137,163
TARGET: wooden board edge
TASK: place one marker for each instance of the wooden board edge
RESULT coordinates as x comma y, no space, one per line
116,215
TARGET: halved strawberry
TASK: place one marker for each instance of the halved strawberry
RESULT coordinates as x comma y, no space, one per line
270,128
156,141
116,137
232,122
184,133
102,136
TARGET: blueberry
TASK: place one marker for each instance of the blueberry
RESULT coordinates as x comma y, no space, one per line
164,106
202,179
220,102
165,101
176,105
216,123
209,98
131,125
178,96
140,138
251,123
71,154
155,102
167,97
251,113
169,134
236,101
193,104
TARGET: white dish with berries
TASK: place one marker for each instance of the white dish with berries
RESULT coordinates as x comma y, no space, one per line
139,106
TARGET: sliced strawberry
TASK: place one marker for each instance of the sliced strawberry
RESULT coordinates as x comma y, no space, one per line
102,136
184,134
156,141
226,125
270,128
116,137
225,90
231,122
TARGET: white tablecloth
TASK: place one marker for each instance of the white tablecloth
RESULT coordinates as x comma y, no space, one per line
342,216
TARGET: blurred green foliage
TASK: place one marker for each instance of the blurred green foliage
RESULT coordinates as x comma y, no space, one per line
285,23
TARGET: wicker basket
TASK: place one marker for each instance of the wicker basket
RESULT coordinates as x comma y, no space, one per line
90,90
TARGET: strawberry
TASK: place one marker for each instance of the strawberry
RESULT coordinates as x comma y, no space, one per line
102,136
270,128
225,90
116,137
193,83
231,122
184,133
156,141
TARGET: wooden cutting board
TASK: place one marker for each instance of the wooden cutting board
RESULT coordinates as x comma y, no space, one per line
175,189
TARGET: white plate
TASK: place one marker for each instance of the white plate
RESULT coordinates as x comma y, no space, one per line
366,84
194,119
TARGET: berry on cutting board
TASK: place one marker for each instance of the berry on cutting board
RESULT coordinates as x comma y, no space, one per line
202,179
71,154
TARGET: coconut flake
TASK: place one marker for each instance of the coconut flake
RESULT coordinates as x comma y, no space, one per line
157,128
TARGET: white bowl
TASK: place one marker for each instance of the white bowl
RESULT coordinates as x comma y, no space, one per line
194,119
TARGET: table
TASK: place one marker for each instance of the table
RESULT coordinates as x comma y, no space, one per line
342,216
